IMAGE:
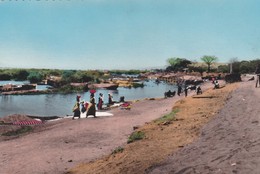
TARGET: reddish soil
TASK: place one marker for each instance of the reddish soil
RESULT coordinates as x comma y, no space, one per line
229,143
217,133
55,147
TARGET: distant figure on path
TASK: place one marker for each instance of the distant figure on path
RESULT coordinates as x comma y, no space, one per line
179,90
216,85
186,90
92,108
198,90
257,72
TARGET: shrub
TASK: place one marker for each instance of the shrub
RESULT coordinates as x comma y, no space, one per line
167,117
135,136
22,130
137,85
118,150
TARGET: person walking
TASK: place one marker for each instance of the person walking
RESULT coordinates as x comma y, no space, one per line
257,72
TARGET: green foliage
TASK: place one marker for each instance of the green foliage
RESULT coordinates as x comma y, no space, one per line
22,130
35,77
138,85
5,76
118,150
70,76
135,136
223,68
209,60
167,118
20,74
199,69
177,64
69,89
130,72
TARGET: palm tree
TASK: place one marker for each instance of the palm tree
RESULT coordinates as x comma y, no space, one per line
209,60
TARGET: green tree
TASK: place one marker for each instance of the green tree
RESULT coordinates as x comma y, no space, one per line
244,67
35,77
20,74
68,76
209,60
223,68
177,64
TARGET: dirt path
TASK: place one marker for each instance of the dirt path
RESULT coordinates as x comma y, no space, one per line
230,143
60,146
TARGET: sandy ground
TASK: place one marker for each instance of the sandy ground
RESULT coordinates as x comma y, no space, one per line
162,139
230,143
57,147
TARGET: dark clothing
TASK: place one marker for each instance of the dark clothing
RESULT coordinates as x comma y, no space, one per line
179,90
76,110
110,100
100,103
92,108
186,91
198,90
257,72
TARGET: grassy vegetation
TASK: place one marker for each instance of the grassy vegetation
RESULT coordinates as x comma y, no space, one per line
137,85
135,136
22,130
70,89
118,150
167,118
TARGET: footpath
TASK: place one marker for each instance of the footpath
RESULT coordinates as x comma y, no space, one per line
229,143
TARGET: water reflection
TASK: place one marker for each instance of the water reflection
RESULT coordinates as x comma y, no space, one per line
61,104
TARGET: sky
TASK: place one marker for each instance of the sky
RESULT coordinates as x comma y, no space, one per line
125,34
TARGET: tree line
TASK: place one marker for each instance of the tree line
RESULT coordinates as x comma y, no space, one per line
174,64
234,66
67,76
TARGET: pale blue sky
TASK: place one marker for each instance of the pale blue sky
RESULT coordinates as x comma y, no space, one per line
125,34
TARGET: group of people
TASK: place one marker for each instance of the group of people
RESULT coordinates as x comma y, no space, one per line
90,107
81,106
169,93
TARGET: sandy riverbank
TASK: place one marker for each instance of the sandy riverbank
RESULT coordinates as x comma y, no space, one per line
57,147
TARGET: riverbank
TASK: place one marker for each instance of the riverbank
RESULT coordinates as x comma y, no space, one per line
161,139
58,146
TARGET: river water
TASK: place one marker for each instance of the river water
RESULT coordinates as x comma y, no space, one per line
62,104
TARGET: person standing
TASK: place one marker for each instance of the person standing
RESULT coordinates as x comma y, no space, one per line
110,100
257,72
92,108
179,90
76,108
186,90
100,101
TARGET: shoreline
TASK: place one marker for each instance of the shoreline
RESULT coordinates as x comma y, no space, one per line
89,138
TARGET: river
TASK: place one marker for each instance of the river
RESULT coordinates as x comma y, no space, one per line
61,104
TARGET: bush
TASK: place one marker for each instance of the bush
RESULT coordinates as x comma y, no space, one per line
231,78
35,77
118,150
22,130
137,85
135,136
167,118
